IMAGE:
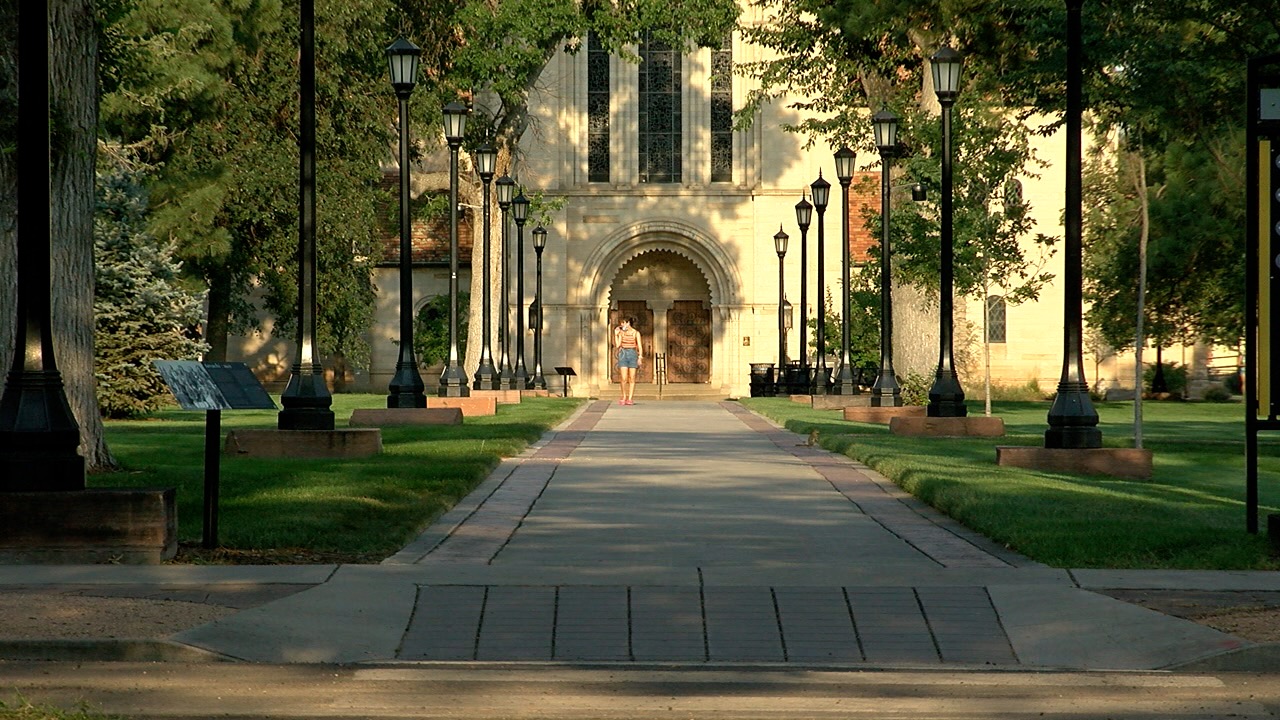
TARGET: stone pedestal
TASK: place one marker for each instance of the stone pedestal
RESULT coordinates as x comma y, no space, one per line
1132,463
331,444
133,526
980,426
392,417
882,415
803,399
840,402
470,406
536,393
502,397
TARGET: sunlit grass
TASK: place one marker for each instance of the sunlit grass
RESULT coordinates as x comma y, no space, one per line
368,505
1191,514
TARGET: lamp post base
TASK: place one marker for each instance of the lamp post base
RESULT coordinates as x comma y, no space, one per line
406,389
845,382
306,401
1072,420
453,383
886,392
487,377
946,398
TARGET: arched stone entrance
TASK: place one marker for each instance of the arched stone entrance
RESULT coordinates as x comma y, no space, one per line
671,301
682,287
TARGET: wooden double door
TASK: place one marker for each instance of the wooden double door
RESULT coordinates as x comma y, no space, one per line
687,341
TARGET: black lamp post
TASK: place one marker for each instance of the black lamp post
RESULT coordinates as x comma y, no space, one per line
804,214
486,377
846,382
946,397
538,382
406,389
1073,422
520,211
453,381
306,400
885,392
821,190
38,432
780,246
506,189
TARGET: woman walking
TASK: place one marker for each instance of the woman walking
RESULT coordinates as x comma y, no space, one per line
630,352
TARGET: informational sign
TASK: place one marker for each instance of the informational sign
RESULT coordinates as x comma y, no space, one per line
214,385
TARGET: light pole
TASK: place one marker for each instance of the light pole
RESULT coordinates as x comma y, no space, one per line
780,246
486,377
38,432
946,397
821,191
846,382
306,400
506,188
538,382
520,211
804,214
885,392
1073,422
453,381
406,389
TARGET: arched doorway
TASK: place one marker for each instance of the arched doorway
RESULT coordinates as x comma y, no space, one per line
671,301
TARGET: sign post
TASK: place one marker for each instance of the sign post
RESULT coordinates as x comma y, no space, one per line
213,387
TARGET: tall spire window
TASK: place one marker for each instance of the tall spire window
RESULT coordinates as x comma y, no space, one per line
597,110
722,111
661,82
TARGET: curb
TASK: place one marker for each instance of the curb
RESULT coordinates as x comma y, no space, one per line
106,650
1263,657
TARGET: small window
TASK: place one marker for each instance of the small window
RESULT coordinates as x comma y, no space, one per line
1012,196
995,319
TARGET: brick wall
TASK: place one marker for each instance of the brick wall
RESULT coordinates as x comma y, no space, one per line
430,240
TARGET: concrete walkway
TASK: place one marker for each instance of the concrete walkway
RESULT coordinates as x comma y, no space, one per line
693,533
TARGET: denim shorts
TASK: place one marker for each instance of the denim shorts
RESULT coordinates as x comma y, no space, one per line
628,358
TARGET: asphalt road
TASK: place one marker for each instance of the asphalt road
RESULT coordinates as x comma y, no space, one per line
489,692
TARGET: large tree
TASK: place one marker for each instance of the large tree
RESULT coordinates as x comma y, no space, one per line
206,92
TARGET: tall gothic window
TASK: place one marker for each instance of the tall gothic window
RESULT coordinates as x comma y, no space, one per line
996,326
722,111
597,110
661,82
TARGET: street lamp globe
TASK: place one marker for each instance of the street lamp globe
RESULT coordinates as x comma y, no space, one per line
946,65
780,242
505,188
885,125
845,160
520,209
455,122
486,159
539,238
821,193
403,58
804,213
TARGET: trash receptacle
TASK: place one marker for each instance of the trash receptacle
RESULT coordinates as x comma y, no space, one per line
761,379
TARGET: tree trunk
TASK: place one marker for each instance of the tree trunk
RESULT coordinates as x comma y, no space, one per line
1140,185
73,116
8,180
218,324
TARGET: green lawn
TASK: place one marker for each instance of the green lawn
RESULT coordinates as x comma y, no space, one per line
1190,515
371,505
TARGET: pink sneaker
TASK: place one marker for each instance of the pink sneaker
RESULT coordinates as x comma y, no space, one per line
631,402
622,402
